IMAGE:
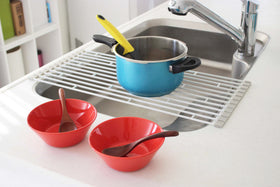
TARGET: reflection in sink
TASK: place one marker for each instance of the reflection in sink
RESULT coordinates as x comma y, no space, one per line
206,45
216,51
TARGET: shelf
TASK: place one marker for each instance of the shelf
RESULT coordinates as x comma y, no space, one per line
45,36
44,29
50,47
19,40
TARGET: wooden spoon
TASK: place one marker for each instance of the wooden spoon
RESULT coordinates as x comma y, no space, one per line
66,123
123,150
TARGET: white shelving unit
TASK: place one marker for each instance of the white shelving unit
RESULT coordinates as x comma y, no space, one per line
46,37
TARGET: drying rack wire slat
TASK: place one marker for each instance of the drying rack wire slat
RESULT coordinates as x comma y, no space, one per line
106,89
202,97
89,79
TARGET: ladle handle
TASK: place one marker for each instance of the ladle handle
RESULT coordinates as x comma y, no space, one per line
116,34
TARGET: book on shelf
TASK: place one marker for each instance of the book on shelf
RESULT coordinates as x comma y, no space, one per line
49,12
6,19
18,17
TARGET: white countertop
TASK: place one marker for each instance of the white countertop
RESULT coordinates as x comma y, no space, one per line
245,152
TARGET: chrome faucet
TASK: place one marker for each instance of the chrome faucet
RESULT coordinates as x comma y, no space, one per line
245,35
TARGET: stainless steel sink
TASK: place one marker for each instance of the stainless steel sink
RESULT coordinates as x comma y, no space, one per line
216,51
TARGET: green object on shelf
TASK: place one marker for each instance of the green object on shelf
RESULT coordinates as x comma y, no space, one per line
6,19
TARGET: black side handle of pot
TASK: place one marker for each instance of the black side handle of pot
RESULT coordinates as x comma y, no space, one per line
187,64
111,42
105,40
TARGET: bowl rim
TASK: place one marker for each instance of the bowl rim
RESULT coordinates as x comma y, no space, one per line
132,157
68,132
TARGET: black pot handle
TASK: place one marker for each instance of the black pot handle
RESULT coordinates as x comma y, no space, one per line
111,42
105,40
187,64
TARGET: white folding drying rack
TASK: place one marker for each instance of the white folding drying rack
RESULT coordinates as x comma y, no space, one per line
203,98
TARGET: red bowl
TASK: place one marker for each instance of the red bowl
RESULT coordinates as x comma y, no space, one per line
45,121
123,130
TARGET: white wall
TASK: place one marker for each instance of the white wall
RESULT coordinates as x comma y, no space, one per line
82,21
77,17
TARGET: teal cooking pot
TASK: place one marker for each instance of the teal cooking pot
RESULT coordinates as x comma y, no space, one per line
155,68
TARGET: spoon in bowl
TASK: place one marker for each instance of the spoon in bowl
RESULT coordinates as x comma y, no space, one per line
66,123
123,150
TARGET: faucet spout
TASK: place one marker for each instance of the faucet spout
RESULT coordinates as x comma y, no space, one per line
244,36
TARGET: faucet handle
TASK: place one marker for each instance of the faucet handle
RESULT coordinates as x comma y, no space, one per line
253,6
180,7
250,6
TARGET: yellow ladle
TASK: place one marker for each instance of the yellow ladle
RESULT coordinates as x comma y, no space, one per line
116,34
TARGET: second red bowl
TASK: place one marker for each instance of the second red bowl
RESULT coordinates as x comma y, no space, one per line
123,130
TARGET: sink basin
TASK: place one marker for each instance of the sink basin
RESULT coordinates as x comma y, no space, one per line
216,50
